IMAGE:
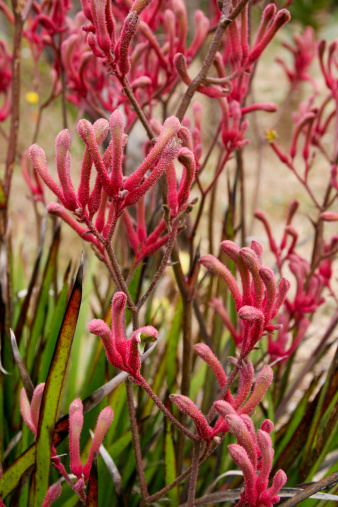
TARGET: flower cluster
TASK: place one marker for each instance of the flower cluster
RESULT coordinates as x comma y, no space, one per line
310,284
121,353
240,405
148,64
303,52
260,299
240,59
252,453
30,412
100,207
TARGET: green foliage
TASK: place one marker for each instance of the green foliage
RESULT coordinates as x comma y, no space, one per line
308,12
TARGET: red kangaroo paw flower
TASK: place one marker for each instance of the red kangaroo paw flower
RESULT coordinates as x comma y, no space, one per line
209,357
75,428
263,381
188,407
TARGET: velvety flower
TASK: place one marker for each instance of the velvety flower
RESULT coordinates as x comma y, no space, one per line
121,353
260,299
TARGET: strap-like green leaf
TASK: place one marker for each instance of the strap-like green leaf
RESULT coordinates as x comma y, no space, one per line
53,390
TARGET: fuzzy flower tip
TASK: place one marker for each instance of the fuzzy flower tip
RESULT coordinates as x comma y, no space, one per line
188,407
121,353
259,299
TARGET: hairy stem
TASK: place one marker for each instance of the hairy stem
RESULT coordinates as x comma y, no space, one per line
135,439
193,474
165,411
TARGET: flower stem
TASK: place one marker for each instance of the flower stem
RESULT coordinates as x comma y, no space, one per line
135,439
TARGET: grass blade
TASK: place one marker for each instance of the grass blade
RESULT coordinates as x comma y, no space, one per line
53,390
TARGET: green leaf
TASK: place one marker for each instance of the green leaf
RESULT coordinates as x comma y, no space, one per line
52,392
53,333
42,304
12,475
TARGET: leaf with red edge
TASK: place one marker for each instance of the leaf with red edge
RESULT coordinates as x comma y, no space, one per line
52,392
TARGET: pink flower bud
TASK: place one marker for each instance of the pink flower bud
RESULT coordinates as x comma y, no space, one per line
236,48
185,136
265,446
188,407
101,128
169,23
233,252
252,263
52,494
250,427
169,129
258,249
117,313
151,248
100,219
87,9
304,120
282,156
100,328
36,404
282,17
182,69
172,188
134,361
246,375
268,107
170,152
187,159
268,15
62,143
209,357
157,232
25,410
92,43
329,216
140,82
263,381
278,482
224,408
217,268
202,24
129,29
104,421
87,134
75,428
238,428
241,458
38,158
267,426
283,288
56,209
250,313
141,226
117,124
268,278
181,16
98,10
